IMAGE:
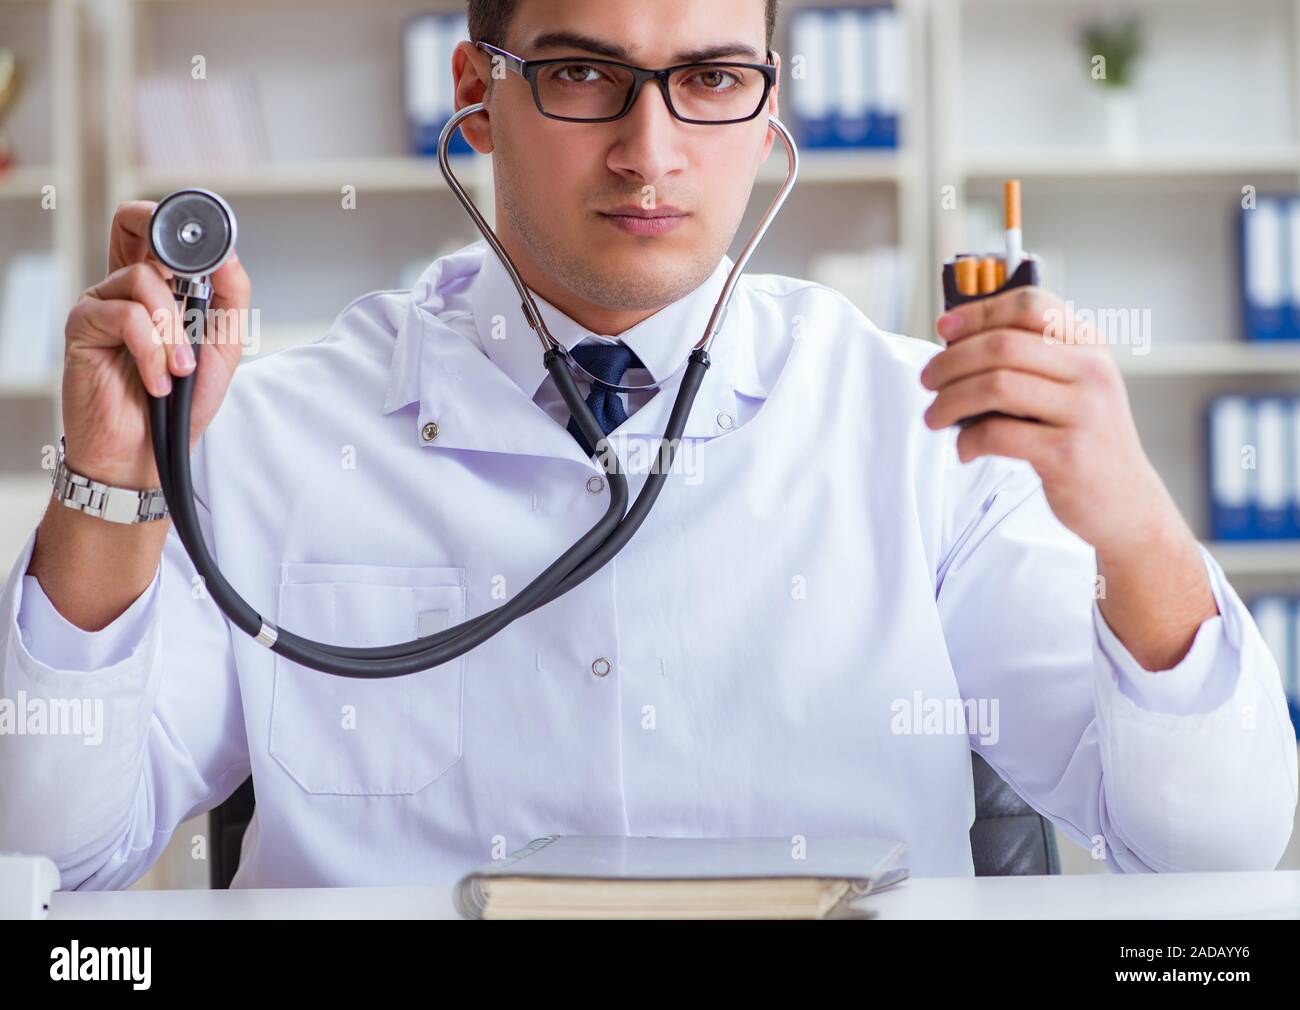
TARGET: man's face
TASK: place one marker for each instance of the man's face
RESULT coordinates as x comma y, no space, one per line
560,183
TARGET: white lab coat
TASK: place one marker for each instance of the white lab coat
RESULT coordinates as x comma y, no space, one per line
785,645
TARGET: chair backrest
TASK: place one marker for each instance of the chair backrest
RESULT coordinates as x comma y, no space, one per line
227,823
1008,836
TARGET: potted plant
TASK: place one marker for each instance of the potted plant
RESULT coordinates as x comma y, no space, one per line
1112,50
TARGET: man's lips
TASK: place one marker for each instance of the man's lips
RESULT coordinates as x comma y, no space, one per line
637,220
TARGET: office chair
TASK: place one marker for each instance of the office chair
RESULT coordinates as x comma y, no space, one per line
226,826
1008,837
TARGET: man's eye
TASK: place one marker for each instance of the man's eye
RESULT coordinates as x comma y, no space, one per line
716,80
573,73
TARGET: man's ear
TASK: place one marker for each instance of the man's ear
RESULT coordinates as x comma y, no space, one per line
471,71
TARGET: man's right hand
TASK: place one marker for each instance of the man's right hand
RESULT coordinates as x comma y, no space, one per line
124,339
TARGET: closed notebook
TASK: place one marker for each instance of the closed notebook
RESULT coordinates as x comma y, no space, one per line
599,877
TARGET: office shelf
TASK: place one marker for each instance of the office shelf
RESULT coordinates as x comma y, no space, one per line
26,182
1257,557
818,166
393,175
1221,359
44,35
1093,163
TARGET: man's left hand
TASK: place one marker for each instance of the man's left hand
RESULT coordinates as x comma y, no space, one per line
1071,420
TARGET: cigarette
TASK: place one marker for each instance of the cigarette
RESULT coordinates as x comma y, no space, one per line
1015,238
988,275
966,272
999,272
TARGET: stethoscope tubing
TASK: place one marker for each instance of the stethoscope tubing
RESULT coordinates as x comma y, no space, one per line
170,425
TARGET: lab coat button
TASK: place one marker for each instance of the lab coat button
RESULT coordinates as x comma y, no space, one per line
601,667
429,432
725,420
596,484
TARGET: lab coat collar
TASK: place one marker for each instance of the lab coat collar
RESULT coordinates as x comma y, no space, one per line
662,341
478,387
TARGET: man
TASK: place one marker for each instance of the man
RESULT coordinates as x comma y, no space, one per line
836,598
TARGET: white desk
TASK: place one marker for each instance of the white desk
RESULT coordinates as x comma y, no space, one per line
1273,895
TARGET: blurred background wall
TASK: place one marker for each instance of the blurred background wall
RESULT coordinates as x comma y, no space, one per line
1145,132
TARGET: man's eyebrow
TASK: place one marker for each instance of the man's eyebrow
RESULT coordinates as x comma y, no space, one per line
724,50
587,43
575,40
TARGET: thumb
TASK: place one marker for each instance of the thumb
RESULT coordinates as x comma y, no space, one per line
229,309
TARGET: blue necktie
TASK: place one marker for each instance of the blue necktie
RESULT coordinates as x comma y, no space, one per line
606,362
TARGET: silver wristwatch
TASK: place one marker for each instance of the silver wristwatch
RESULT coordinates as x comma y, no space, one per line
115,504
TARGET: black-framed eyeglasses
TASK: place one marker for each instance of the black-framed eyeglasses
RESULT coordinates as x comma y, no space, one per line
580,90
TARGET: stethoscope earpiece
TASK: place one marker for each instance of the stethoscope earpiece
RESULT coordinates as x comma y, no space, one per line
533,315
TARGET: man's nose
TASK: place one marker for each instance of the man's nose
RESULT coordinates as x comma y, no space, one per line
649,143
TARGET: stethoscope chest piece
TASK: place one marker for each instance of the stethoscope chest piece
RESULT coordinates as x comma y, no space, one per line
192,232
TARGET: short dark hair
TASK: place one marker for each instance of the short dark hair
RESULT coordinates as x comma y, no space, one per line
490,19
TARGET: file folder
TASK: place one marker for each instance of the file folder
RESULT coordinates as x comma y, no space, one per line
1276,616
846,69
1272,465
1264,230
888,61
810,54
428,43
1294,425
1231,482
1291,676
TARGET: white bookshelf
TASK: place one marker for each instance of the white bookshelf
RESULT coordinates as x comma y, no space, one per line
1151,226
288,208
848,201
46,134
1220,358
879,194
1260,558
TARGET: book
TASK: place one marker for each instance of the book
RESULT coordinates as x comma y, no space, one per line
615,877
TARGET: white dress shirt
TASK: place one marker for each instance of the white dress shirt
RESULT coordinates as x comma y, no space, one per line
822,616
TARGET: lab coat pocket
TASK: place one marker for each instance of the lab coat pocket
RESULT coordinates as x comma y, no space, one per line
356,737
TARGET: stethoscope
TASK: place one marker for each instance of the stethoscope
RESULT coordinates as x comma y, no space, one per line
192,232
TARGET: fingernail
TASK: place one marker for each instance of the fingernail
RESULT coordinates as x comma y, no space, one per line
949,325
164,385
184,355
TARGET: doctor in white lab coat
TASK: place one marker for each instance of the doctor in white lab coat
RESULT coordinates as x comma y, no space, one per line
836,598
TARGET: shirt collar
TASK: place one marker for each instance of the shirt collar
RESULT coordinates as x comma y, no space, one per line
465,352
662,341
